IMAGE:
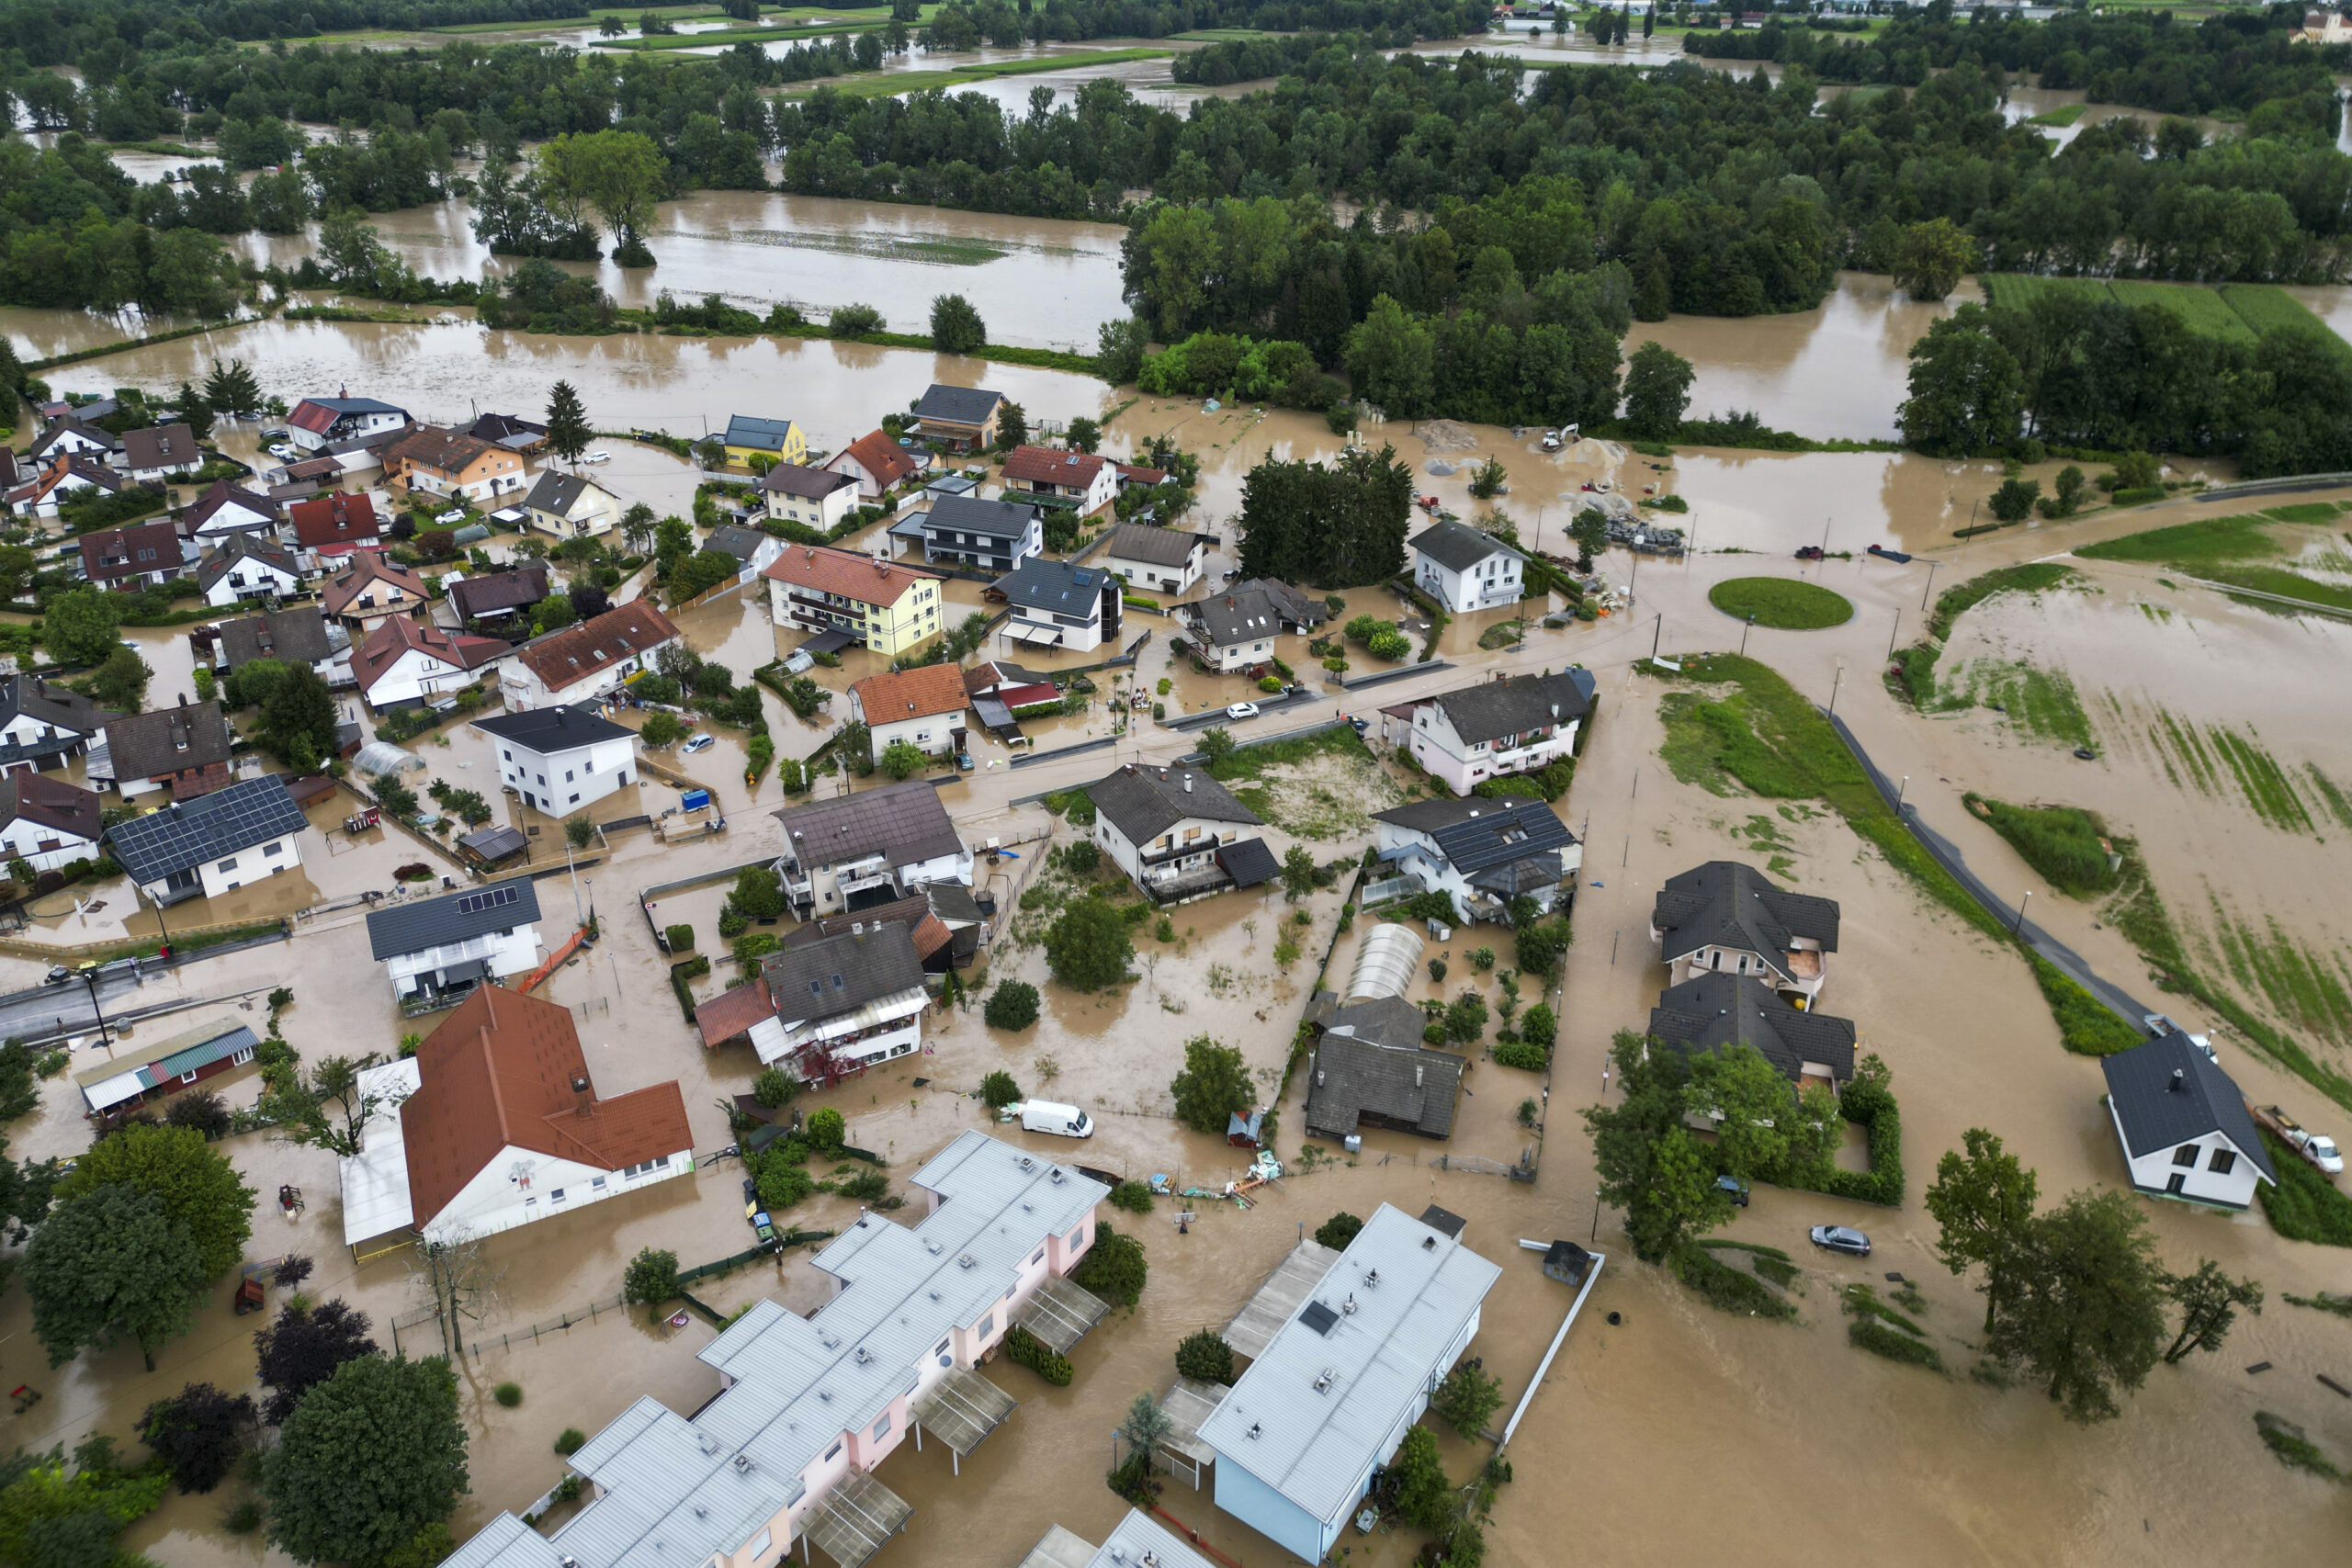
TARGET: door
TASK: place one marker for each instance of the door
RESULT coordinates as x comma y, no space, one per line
2178,1183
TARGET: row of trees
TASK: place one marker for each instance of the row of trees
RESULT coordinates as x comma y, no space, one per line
1335,526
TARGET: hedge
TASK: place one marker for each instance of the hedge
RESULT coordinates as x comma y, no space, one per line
1721,1285
1024,1349
681,938
1868,1333
1523,1054
1869,1105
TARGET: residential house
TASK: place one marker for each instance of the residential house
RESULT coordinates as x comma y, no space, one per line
223,510
779,440
1724,916
437,950
1354,1082
405,663
151,1070
371,590
504,430
145,555
1001,693
1516,724
247,566
2324,28
941,919
74,435
961,419
561,759
843,1002
1300,1433
809,1407
963,530
1058,605
1156,560
1139,1538
580,663
1232,631
755,547
1177,832
318,423
45,494
856,850
1081,481
12,472
495,1124
876,463
184,750
813,498
571,506
1465,569
330,527
922,707
887,608
1716,1013
2184,1125
497,596
44,726
164,452
1133,476
301,480
242,833
46,822
297,635
1484,854
431,461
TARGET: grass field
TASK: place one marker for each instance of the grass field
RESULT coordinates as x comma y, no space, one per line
2062,842
890,84
2065,114
2204,309
1784,602
2239,312
2231,551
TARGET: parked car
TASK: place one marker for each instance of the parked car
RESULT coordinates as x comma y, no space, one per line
2316,1147
599,456
1841,1238
699,743
1736,1187
57,975
275,436
1239,711
283,451
455,514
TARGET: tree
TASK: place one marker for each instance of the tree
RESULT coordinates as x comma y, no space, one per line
1204,1354
330,1108
568,432
2013,503
651,1278
121,682
1338,1230
1751,1105
1338,524
1085,435
1465,1019
1965,388
233,389
1146,1426
1424,1496
1392,357
200,1432
955,327
1211,1087
383,1430
1648,1163
110,1263
553,614
1487,480
2209,1301
1011,1006
2085,1304
827,1129
299,713
617,173
578,829
1087,947
1983,1200
1538,1026
1466,1398
1114,1268
774,1088
1657,391
17,565
200,1190
81,626
1589,529
997,1091
902,759
661,730
2137,470
1932,258
302,1348
1298,874
757,893
1011,425
1538,945
1216,743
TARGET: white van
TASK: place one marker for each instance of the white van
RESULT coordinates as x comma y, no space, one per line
1063,1121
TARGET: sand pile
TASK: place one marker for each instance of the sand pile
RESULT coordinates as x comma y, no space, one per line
1595,454
1446,436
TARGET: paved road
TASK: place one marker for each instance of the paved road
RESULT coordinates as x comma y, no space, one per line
1207,717
42,1011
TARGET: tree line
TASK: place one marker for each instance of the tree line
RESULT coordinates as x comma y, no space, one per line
964,24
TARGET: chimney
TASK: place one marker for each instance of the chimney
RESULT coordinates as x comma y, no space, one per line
1417,1070
2179,1079
1188,784
583,1100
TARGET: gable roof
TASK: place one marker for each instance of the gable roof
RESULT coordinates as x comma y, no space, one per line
57,706
845,572
442,451
884,459
73,425
222,495
297,636
809,484
160,540
557,728
130,1073
920,692
500,1073
187,834
1378,1021
167,740
925,928
1714,1012
1060,587
421,923
2167,1092
735,539
475,597
841,973
48,803
1492,709
1350,1079
1144,802
904,821
751,430
164,446
1728,904
957,405
1476,833
733,1011
318,415
396,634
1052,466
368,567
1003,519
559,492
1250,611
338,520
1156,547
576,653
259,547
506,430
1457,547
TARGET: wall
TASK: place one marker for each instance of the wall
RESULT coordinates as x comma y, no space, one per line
24,836
251,865
559,782
490,1202
513,952
1268,1512
2153,1172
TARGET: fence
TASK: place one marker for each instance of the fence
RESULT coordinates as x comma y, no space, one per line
591,1313
1389,887
1475,1164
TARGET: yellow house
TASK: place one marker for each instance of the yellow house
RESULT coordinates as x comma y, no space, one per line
777,439
889,608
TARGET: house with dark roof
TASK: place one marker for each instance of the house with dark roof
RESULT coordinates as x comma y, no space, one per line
1177,832
47,822
327,528
244,833
437,950
318,423
1725,917
1715,1013
2183,1126
963,530
887,608
154,455
151,1070
845,1001
580,663
939,917
224,509
855,851
1465,570
749,435
1158,561
76,434
961,419
571,506
1511,724
404,662
922,707
427,460
560,759
497,596
1352,1084
45,495
1058,604
184,750
506,430
145,555
814,498
372,590
876,463
1061,477
44,726
1482,854
1377,1021
297,635
753,547
248,566
1232,630
495,1122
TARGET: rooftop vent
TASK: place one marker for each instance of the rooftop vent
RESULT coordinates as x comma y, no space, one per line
1055,1176
1253,1431
1371,1278
2179,1078
742,1464
1428,1244
1323,1380
1028,1164
862,1355
965,1260
1349,1306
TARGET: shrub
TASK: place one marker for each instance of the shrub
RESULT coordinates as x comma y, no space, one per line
1539,1026
1133,1195
651,1278
681,938
2062,842
1868,1333
1731,1290
1437,971
1466,1021
775,1086
1466,1398
571,1442
1523,1054
1011,1006
509,1394
997,1091
781,1184
1114,1269
827,1129
1024,1349
2304,1205
1204,1354
1338,1229
1541,943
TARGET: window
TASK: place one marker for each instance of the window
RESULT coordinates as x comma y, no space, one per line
275,849
242,1057
2223,1162
882,1428
598,1184
228,865
986,1327
833,1452
1077,1236
568,777
1038,1257
556,1196
2185,1156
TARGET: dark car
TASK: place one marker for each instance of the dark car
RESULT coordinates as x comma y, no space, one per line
1841,1238
1736,1187
57,976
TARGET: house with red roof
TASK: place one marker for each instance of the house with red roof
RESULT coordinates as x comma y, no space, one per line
580,664
404,662
371,590
922,707
329,527
888,608
876,463
1081,480
318,423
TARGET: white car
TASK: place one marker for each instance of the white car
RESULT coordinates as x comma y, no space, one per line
284,452
1240,711
455,514
701,743
597,456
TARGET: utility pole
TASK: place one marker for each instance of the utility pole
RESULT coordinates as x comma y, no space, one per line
1901,793
1657,632
90,977
1825,545
1743,631
1833,690
2018,929
1892,635
1931,585
579,914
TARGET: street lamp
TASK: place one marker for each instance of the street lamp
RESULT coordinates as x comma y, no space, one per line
1743,631
90,977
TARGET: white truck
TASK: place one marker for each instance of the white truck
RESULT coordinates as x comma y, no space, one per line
1062,1120
2316,1147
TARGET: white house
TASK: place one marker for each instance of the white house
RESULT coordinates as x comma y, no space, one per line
895,836
1726,917
1521,724
1178,833
168,451
318,423
1139,1538
876,463
571,506
437,950
581,663
214,843
1082,481
814,498
1464,569
223,510
495,1124
1157,561
561,759
1056,605
963,530
1233,630
43,726
68,436
404,662
47,822
2183,1126
248,566
922,707
755,547
1482,854
845,1002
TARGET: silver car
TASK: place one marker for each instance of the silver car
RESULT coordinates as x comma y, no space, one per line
1841,1238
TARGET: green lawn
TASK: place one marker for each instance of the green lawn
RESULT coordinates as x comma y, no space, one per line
2238,312
1784,602
2065,114
2233,550
2062,842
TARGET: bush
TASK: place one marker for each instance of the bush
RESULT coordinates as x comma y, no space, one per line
1466,1398
1024,1349
681,938
1011,1006
1114,1269
1523,1054
1868,1103
827,1129
651,1278
775,1086
1539,1026
1868,1333
1204,1354
1721,1286
781,1184
1133,1195
571,1442
997,1091
509,1394
1338,1230
2304,1205
2062,842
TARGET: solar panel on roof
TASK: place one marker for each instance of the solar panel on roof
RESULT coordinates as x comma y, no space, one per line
1319,1317
490,898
